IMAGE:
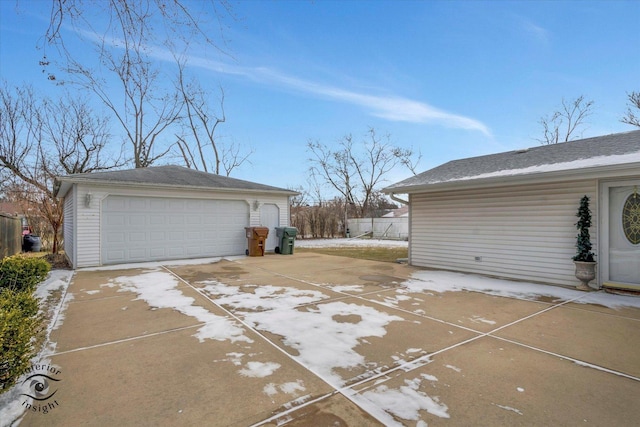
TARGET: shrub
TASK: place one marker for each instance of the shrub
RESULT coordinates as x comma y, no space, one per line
22,273
583,239
19,323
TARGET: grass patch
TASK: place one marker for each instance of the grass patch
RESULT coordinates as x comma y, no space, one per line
370,253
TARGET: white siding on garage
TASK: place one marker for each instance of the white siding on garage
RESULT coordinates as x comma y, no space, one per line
270,218
522,232
138,229
69,227
88,237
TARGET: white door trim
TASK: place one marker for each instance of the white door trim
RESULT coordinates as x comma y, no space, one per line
603,226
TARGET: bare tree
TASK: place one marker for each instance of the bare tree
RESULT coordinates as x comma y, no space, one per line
199,145
354,170
564,124
120,22
127,46
633,110
142,108
41,139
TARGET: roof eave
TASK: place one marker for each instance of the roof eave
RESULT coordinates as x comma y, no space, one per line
609,171
65,183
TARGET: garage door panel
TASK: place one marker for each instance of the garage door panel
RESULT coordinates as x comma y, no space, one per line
137,237
157,204
148,228
156,236
157,253
117,220
175,236
137,220
137,254
156,220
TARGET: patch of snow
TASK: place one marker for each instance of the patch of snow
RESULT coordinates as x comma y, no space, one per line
614,159
235,358
453,367
520,389
57,280
270,389
407,401
509,408
292,386
429,377
158,264
159,289
447,281
478,319
352,242
323,343
92,292
263,297
346,288
259,369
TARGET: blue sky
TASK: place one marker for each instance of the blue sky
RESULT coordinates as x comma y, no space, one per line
452,79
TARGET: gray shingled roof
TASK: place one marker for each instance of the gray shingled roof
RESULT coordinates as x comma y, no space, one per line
168,176
615,149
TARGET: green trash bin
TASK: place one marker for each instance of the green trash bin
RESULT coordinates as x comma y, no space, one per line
286,239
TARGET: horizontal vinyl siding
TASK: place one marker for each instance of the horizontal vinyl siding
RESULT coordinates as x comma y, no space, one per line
88,227
281,201
69,227
520,232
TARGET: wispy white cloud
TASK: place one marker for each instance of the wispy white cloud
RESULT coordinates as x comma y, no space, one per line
389,107
538,32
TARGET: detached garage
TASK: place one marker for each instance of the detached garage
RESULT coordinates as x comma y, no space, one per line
165,212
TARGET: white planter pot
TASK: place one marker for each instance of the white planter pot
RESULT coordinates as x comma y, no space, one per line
585,272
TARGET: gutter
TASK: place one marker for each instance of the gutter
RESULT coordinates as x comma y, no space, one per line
397,199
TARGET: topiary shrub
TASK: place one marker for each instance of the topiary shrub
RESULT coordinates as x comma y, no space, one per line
19,323
22,273
583,239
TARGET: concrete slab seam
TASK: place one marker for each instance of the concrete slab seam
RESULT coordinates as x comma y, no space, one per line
139,337
571,359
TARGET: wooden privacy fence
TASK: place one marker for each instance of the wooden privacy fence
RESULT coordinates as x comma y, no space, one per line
10,235
382,228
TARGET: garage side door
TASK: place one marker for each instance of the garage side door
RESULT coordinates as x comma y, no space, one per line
136,229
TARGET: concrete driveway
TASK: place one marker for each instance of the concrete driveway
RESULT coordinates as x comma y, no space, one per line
317,340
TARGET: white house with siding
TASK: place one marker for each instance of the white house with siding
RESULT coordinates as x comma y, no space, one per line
163,213
513,214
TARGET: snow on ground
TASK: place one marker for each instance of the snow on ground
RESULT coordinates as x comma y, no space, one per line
446,281
263,297
407,401
337,243
324,335
52,307
259,369
159,289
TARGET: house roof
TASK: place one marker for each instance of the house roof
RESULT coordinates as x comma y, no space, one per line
167,177
568,158
402,211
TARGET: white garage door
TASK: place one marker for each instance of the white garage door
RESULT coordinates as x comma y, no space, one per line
138,229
